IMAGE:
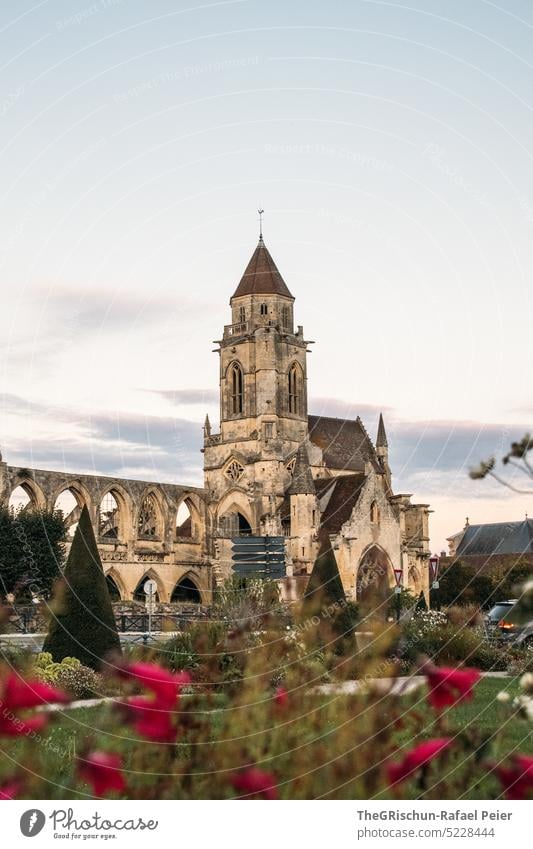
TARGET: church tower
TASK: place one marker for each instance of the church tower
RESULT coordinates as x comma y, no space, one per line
263,398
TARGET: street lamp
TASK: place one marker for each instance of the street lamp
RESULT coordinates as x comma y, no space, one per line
434,562
398,573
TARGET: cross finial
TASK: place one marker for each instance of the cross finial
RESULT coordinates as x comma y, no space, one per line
261,213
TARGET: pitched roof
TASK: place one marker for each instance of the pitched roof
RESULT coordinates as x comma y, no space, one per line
345,443
336,499
497,538
381,440
261,276
341,502
302,480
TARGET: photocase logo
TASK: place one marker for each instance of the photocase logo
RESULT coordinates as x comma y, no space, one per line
32,822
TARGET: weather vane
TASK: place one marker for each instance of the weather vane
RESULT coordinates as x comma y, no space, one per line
261,213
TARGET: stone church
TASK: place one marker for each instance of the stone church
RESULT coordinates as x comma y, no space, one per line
272,470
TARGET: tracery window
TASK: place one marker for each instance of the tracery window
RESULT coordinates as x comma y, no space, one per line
264,309
290,466
148,517
234,471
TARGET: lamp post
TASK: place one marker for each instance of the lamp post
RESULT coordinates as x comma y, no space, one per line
434,562
398,573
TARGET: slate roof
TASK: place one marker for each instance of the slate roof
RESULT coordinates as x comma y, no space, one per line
345,443
497,538
336,499
261,276
341,502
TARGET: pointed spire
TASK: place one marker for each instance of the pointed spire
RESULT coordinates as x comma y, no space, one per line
207,426
381,441
261,276
302,479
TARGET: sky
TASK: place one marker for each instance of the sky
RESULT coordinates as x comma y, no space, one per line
390,147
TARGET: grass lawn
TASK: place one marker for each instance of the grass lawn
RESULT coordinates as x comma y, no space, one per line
489,716
73,730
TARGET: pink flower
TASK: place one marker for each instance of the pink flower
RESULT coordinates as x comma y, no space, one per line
516,779
149,720
255,783
281,697
165,685
18,694
102,770
416,758
10,789
447,685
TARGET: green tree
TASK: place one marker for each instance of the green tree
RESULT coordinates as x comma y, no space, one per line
82,623
461,584
32,551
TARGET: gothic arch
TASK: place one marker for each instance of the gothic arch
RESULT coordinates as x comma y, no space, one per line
235,388
187,527
138,592
80,497
120,521
187,589
150,518
234,503
295,387
31,489
374,580
114,576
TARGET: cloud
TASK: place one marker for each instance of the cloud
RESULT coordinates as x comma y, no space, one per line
97,309
122,445
187,396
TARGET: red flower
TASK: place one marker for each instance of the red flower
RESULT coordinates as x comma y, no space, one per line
416,758
150,720
281,697
102,770
10,789
516,779
152,716
165,685
447,686
255,783
17,695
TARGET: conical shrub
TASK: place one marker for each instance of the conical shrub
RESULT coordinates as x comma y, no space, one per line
325,586
82,623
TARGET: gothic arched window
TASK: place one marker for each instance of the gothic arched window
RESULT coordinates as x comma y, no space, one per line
295,390
264,309
148,524
236,389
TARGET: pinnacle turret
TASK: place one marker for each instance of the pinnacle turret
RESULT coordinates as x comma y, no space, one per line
302,479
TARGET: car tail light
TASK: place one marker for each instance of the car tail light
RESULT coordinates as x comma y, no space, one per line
505,626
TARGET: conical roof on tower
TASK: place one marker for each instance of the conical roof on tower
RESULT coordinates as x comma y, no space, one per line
381,441
261,276
302,480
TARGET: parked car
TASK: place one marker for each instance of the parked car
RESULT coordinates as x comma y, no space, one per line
503,622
